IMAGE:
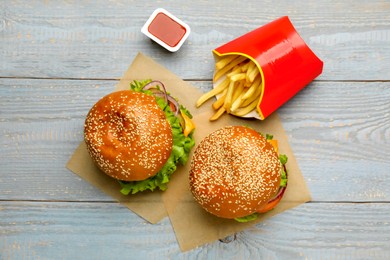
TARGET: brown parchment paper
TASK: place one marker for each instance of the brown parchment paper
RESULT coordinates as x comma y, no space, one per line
192,225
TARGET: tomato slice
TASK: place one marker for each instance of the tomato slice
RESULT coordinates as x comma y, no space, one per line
271,204
275,200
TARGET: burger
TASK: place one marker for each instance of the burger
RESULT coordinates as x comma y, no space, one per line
139,136
236,173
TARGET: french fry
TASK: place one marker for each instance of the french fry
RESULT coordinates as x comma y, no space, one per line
255,85
222,62
220,101
218,89
254,97
251,67
238,89
245,67
238,100
229,96
237,77
245,110
253,75
228,67
234,71
237,103
218,114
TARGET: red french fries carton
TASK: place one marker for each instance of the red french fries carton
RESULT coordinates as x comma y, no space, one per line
285,62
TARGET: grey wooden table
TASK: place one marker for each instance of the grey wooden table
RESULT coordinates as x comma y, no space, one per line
57,58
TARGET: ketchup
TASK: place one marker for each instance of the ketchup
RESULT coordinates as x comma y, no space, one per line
166,29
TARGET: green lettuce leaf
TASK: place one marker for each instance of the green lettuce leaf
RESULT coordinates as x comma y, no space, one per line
182,146
248,218
283,160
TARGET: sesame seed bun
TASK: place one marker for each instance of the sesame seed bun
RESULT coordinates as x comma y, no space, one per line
234,172
128,136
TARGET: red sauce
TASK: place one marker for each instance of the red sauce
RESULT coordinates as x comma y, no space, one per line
166,29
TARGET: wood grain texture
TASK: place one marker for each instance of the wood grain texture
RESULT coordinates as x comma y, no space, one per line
107,230
98,39
57,58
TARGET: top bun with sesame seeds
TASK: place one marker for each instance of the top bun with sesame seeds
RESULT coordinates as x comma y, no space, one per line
128,136
235,172
139,136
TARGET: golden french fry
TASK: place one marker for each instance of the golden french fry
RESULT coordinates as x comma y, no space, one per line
229,96
238,101
217,104
228,67
218,89
255,85
251,67
237,77
245,110
253,75
238,90
236,104
234,71
255,96
245,67
225,60
218,114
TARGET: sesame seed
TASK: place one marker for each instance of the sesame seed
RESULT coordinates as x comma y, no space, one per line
128,135
234,164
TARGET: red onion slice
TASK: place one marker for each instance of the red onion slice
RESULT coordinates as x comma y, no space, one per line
157,92
154,85
280,193
176,105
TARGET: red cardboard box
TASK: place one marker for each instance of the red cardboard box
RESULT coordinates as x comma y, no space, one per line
285,62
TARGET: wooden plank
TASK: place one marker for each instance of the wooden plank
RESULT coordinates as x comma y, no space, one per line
98,39
339,132
108,230
42,124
